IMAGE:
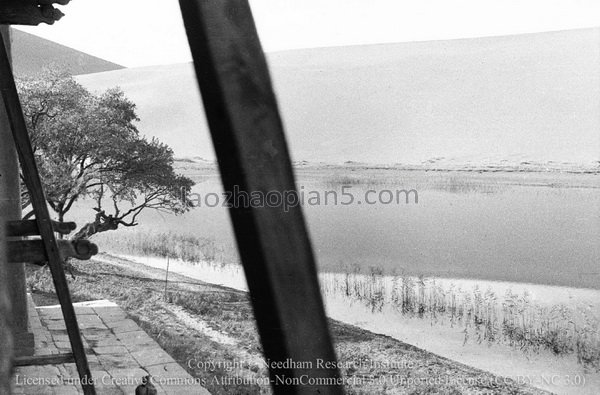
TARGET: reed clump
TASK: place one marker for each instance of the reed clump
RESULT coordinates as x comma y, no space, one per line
484,316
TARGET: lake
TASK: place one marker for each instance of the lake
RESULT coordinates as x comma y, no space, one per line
532,227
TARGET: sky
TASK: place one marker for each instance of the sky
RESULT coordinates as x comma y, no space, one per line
125,32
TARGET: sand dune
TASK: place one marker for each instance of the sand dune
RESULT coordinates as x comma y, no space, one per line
534,96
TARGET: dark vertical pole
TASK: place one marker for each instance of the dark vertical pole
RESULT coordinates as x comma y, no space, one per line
10,209
253,158
42,216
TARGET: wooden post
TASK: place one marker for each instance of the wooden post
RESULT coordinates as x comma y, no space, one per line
10,209
253,157
42,215
167,280
6,338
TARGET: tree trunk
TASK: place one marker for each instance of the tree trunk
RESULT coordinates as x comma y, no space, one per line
98,226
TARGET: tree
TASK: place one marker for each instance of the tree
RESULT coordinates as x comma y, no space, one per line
87,146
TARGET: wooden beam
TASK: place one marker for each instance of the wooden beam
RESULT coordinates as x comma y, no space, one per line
10,209
53,359
30,228
253,157
33,251
42,215
30,12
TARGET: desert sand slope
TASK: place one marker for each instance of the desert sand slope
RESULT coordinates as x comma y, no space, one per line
532,97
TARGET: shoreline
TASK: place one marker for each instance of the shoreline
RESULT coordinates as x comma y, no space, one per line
543,370
545,294
492,167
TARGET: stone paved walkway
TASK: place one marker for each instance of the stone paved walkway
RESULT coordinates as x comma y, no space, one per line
118,351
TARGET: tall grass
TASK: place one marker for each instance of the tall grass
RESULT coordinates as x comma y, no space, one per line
483,316
188,248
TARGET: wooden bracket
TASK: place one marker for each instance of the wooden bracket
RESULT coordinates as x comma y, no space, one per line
33,251
30,12
30,228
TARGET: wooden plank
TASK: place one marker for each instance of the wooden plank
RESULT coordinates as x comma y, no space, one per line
30,12
30,228
42,215
33,251
53,359
253,157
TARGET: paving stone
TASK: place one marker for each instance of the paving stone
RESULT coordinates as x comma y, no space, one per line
52,319
139,342
66,390
47,312
41,390
91,325
122,361
90,321
174,379
125,378
119,349
105,342
186,390
123,326
168,371
110,390
161,391
132,348
84,310
109,310
57,326
128,389
152,356
111,314
108,319
94,363
17,390
88,318
62,346
60,338
97,334
133,336
38,371
119,353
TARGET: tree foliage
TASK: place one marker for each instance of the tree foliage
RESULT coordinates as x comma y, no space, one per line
87,146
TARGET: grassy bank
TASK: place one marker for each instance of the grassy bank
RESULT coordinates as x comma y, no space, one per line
141,292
